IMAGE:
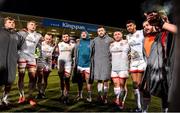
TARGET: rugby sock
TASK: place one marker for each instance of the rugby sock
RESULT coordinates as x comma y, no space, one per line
164,103
44,86
21,93
125,95
80,94
100,88
105,90
5,96
62,93
89,93
165,110
138,98
66,93
117,92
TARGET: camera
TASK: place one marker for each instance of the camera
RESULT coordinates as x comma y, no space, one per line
155,19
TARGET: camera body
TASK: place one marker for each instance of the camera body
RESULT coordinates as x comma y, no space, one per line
155,18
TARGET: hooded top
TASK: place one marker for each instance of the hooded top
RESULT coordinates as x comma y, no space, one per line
10,44
84,51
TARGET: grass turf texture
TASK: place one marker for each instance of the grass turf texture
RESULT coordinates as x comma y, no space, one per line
52,104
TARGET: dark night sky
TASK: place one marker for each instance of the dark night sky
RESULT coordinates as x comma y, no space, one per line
106,12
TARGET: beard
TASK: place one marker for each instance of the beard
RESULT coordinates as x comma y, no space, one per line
101,35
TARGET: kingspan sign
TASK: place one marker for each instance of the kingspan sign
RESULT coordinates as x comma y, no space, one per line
70,25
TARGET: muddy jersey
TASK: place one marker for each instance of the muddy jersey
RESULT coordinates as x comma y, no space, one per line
135,41
31,41
119,51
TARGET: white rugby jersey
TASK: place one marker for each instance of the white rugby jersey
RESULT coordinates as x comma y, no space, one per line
135,41
65,50
119,51
30,44
46,50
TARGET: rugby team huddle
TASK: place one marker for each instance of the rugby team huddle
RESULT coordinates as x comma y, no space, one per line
141,54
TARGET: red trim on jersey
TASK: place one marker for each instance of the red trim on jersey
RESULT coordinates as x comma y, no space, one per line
136,71
120,77
22,61
65,72
31,65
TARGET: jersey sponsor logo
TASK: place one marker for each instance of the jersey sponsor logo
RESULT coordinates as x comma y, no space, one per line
135,44
116,51
65,50
121,44
31,41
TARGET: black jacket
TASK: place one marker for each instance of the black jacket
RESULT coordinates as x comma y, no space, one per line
10,43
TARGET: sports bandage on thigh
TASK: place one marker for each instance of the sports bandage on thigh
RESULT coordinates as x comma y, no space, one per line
22,66
21,70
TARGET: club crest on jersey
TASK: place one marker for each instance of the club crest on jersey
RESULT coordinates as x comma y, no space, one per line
121,44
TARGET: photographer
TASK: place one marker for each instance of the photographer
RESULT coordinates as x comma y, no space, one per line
160,20
158,47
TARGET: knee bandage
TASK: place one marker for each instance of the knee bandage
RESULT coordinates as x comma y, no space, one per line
21,70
